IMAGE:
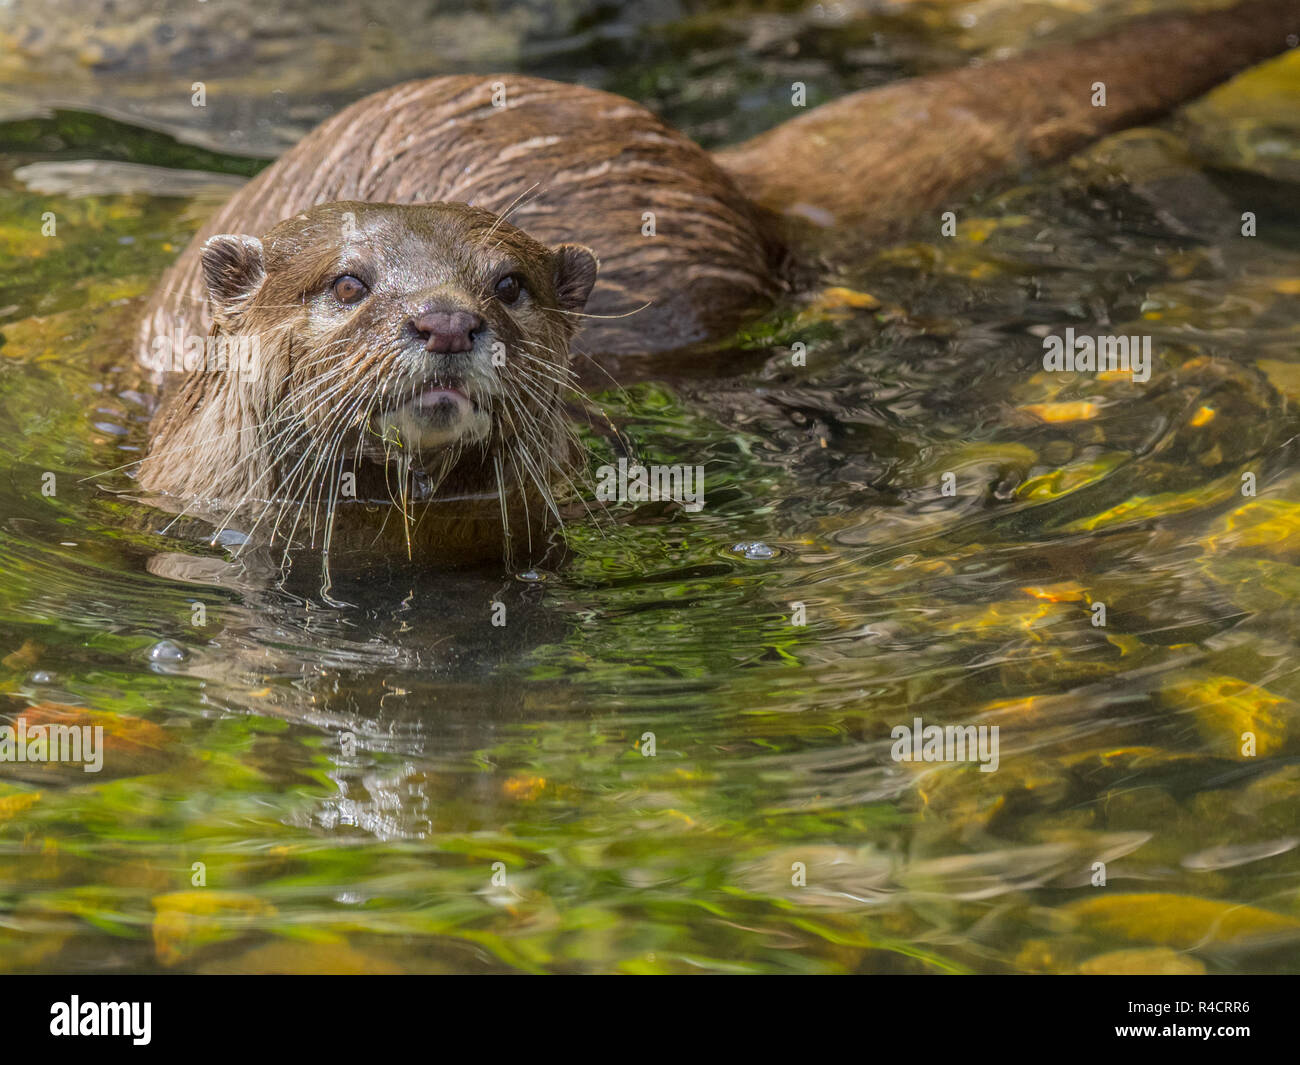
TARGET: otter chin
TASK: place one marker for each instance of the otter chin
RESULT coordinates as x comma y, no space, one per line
394,358
436,417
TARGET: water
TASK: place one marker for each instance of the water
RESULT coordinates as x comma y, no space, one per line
649,768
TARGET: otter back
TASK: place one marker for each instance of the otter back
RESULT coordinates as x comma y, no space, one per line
683,255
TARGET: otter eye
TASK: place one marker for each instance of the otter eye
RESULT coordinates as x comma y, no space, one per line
508,288
348,289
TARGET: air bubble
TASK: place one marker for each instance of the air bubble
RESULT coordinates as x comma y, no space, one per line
166,651
754,550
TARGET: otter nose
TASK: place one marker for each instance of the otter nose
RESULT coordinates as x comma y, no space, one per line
447,331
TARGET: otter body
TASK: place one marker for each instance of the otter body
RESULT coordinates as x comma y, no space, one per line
684,255
689,244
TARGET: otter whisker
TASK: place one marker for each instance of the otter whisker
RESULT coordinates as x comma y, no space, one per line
556,470
606,317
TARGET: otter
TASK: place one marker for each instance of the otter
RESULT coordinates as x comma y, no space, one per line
544,179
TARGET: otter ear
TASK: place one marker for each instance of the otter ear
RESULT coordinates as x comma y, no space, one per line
233,270
575,274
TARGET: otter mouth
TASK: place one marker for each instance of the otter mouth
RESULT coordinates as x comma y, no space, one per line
441,404
435,413
436,394
435,397
429,393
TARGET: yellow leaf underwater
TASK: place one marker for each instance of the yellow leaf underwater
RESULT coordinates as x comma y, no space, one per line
1180,921
1069,478
185,921
836,298
1012,616
526,788
1078,411
25,657
1271,525
13,805
1227,708
1064,592
1144,508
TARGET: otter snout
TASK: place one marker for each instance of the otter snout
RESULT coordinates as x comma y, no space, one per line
436,394
447,332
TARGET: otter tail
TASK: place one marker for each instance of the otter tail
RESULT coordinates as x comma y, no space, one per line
874,161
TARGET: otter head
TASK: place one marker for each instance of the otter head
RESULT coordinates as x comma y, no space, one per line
419,331
431,338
